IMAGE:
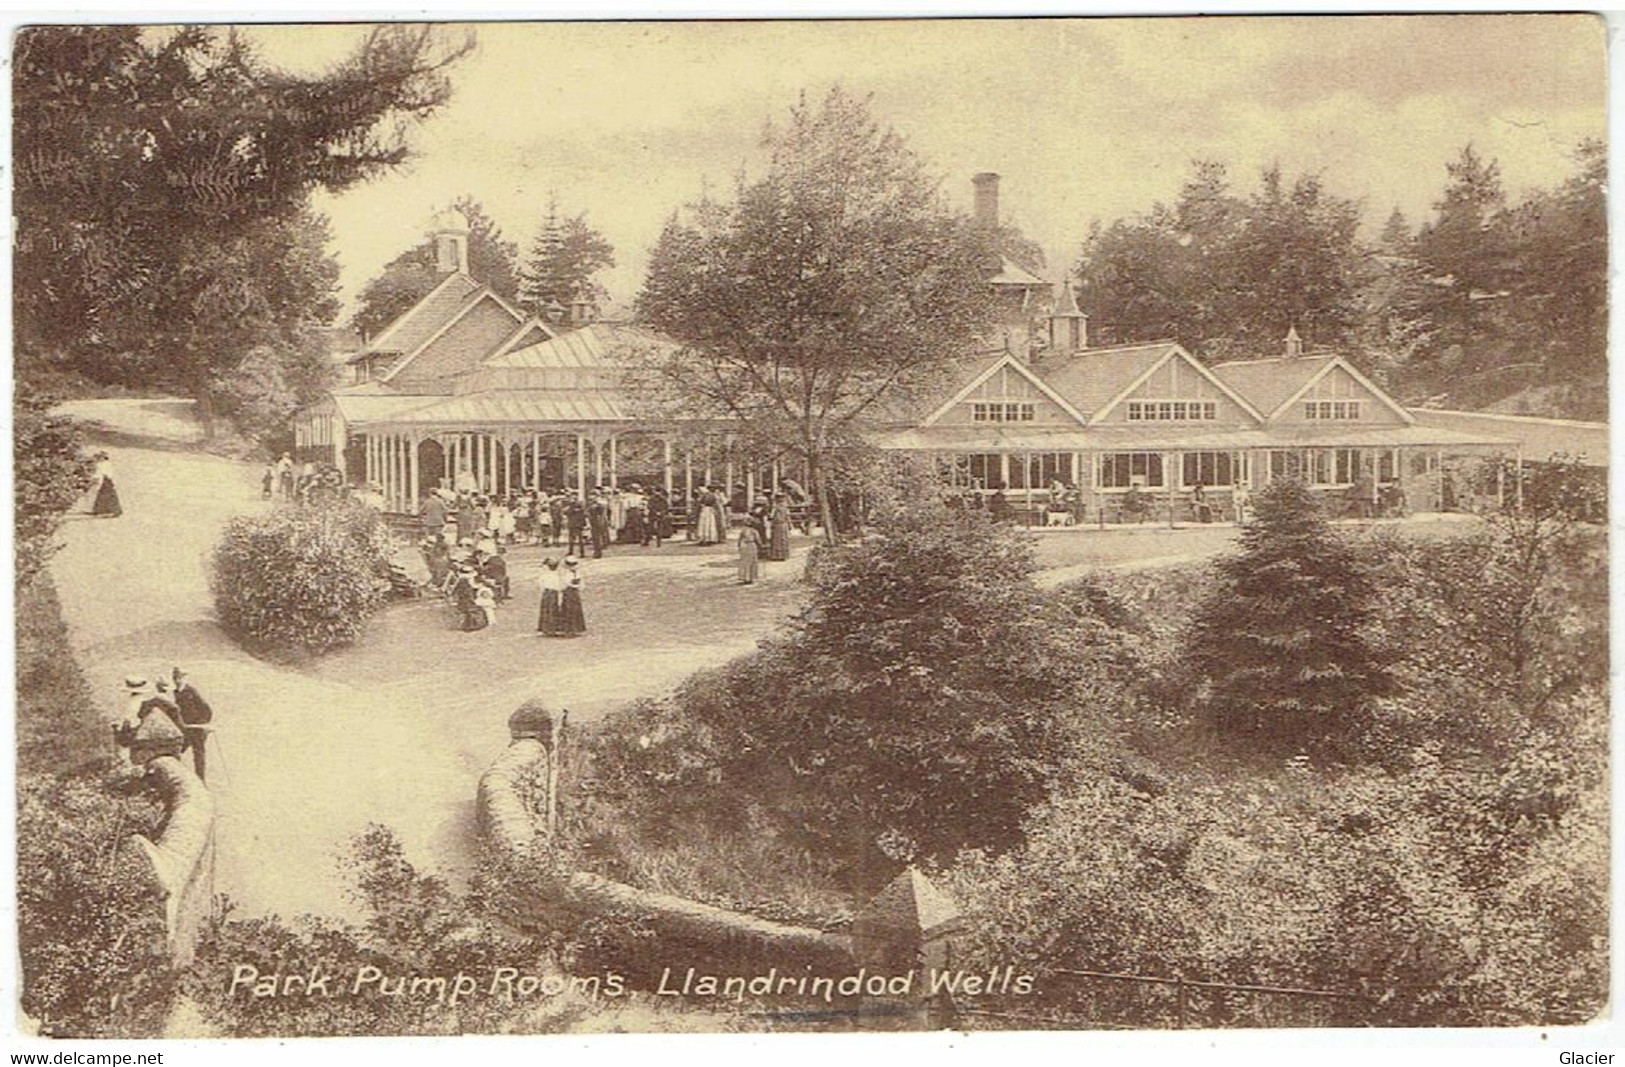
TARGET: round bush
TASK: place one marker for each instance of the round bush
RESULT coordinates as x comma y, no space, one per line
301,578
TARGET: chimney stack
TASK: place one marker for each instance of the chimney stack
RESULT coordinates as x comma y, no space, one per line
987,199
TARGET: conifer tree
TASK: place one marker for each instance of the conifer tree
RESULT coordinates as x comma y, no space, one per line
1283,639
563,261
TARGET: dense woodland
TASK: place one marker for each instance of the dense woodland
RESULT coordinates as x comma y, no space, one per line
1487,303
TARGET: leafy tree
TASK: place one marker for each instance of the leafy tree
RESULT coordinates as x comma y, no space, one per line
150,160
408,277
1283,639
1224,274
564,258
835,283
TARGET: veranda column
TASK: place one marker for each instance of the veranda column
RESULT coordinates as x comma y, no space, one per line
399,456
366,452
1439,459
581,466
728,486
614,463
777,469
507,467
1004,470
1517,485
750,487
597,463
535,461
387,471
1168,480
412,486
493,467
1077,470
666,451
688,475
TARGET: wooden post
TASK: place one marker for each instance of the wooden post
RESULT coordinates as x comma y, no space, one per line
688,475
614,462
1168,481
412,486
665,443
581,466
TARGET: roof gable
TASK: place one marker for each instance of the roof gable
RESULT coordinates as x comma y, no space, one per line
1274,384
428,316
482,298
1011,362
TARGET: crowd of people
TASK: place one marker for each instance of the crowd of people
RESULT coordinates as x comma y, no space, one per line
306,483
175,697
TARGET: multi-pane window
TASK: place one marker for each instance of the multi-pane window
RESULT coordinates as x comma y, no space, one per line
1333,466
1039,470
1208,468
1331,409
985,470
1172,410
1014,411
1120,470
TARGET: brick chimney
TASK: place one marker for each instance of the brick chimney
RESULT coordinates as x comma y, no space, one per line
987,199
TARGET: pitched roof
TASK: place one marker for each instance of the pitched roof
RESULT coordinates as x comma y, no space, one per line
438,307
593,345
1092,377
1013,273
1269,383
514,406
469,303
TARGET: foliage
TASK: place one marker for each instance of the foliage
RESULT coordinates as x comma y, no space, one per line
51,471
301,578
920,704
832,285
410,276
162,185
90,927
1282,642
1227,275
273,381
564,258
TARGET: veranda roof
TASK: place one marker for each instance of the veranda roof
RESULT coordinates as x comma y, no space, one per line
1540,438
509,408
1004,437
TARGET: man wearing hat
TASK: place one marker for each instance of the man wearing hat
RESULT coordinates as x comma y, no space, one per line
598,519
195,715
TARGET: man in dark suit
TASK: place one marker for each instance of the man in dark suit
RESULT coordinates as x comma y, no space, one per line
598,519
575,522
195,715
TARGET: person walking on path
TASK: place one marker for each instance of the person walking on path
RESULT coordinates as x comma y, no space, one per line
573,618
706,530
750,543
550,616
433,516
107,503
659,528
284,476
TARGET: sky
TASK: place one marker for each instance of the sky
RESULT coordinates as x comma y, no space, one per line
1084,119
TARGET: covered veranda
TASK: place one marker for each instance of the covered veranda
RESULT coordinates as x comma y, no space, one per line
1105,470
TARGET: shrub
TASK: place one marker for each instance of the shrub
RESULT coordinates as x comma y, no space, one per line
301,578
1283,640
51,471
920,704
90,927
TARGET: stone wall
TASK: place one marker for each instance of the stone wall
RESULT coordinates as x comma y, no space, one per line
181,860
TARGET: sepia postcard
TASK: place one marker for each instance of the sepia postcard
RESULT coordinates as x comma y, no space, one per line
992,524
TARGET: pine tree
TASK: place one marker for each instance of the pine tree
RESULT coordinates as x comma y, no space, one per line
1282,641
564,258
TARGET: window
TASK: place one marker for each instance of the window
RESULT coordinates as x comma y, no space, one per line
1332,466
985,470
1208,468
1037,470
1172,410
1331,409
1119,470
1285,465
1019,411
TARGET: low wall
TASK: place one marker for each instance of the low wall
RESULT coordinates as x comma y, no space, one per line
182,858
509,825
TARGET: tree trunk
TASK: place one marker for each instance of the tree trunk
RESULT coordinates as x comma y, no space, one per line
826,514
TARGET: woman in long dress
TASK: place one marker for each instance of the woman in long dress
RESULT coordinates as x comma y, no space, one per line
573,620
550,619
778,529
750,542
707,532
107,503
720,502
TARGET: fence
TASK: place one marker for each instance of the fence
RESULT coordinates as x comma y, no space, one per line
1074,999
